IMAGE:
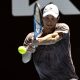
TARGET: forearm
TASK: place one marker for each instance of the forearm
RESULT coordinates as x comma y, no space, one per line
49,39
46,41
27,56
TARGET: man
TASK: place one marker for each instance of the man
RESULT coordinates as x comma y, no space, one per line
52,56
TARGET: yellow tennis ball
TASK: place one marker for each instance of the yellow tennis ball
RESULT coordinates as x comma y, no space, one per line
22,50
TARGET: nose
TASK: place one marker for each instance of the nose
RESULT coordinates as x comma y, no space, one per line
49,22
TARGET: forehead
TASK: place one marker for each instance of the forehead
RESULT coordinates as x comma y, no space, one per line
49,16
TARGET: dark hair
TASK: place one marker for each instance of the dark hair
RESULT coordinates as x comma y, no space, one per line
50,3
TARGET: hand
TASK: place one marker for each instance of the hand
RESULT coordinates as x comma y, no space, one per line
35,43
39,40
54,34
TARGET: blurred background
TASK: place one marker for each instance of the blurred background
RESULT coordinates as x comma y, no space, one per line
13,32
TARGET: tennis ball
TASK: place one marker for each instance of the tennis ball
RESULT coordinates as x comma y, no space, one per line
22,50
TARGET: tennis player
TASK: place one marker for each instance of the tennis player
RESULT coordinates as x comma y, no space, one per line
52,56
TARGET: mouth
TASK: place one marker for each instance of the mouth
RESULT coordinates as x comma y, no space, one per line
49,25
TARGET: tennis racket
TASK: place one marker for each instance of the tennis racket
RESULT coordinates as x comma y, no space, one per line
37,20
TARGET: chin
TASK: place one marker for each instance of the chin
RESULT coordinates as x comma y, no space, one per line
48,32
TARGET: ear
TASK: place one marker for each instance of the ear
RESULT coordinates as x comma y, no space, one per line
58,18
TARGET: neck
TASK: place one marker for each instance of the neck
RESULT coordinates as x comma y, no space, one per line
44,33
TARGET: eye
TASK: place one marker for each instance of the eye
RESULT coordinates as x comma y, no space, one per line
52,18
46,18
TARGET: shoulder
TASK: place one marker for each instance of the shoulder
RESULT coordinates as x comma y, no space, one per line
30,35
62,26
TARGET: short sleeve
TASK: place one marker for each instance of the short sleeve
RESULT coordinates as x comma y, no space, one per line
62,28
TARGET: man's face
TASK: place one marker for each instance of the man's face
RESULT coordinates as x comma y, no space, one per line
49,23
